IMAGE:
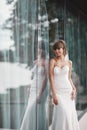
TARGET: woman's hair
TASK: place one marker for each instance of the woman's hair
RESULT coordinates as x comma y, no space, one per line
60,44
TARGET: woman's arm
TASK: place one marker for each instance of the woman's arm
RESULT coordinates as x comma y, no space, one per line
51,78
73,86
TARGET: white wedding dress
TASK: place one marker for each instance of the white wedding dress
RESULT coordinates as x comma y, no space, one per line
35,117
64,114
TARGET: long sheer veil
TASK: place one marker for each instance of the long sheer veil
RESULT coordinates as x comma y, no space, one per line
66,57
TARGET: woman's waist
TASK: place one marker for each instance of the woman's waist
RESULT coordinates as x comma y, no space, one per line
64,91
62,83
60,78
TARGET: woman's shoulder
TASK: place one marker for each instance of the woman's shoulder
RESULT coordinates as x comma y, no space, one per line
69,62
52,61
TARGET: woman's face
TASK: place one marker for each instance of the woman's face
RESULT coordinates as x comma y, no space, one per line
59,52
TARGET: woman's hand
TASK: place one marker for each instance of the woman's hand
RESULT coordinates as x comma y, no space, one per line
73,94
55,100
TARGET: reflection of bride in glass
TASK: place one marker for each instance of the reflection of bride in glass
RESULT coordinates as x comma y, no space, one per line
35,115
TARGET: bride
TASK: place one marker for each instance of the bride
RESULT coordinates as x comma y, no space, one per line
63,90
35,116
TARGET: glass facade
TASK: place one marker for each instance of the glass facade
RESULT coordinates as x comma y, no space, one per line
24,44
28,29
69,23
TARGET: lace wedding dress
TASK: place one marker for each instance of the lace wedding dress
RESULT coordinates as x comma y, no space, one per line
64,114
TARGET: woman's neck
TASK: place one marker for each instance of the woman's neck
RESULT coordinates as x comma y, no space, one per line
61,58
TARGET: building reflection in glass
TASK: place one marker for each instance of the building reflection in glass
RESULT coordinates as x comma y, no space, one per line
71,26
23,25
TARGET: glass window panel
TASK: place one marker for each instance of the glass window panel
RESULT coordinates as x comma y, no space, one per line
24,61
68,22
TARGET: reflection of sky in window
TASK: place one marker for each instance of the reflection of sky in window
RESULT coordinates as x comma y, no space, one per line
13,76
5,41
5,11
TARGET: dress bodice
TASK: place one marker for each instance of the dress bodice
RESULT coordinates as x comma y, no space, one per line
61,80
37,84
61,73
38,75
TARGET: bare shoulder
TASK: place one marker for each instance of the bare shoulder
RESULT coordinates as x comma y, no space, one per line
52,61
70,63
